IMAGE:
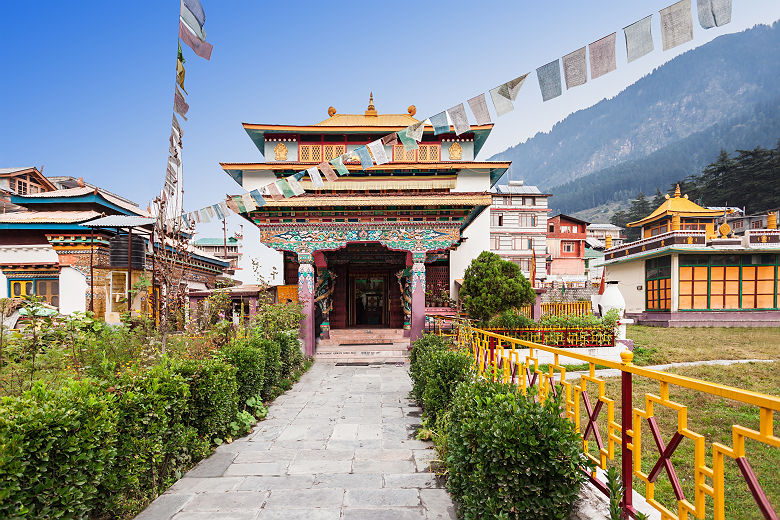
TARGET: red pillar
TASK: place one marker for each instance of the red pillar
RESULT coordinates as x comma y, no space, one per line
306,297
418,295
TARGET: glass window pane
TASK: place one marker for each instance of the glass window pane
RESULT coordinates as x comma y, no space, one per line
748,273
685,302
732,273
748,301
17,288
28,288
700,302
732,302
765,301
686,288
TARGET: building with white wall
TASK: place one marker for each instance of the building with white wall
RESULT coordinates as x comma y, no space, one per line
518,226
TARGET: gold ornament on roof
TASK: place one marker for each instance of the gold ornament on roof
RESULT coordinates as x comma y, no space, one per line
677,192
412,110
456,152
724,230
331,111
280,152
371,110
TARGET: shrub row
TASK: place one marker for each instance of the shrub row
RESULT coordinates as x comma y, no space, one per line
105,448
506,455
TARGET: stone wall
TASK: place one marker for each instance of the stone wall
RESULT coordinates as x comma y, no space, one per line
570,294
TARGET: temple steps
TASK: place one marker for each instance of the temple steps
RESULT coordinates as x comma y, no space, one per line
363,346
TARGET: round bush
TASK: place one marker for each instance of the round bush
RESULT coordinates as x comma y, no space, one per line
510,457
418,359
445,369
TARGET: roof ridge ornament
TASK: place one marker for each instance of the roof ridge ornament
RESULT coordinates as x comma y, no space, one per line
371,110
677,192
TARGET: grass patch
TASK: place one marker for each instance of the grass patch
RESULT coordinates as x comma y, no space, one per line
712,417
659,345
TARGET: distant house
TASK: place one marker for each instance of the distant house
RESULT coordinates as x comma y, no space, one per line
566,246
229,248
518,218
600,232
71,248
21,181
690,269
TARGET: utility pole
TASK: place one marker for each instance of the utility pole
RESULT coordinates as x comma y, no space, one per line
224,235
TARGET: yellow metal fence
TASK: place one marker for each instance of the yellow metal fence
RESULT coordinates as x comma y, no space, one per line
499,357
566,308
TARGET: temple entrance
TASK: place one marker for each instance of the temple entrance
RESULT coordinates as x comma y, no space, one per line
368,296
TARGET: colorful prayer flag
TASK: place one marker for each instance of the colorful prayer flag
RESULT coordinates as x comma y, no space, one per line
549,77
602,56
188,36
230,203
195,7
180,70
390,139
218,211
210,211
192,20
328,171
459,119
197,216
240,203
408,142
175,125
713,13
639,38
676,24
415,131
575,68
284,187
179,104
223,206
504,94
273,191
440,123
296,187
378,151
204,216
479,108
316,179
249,202
185,219
338,162
258,198
365,158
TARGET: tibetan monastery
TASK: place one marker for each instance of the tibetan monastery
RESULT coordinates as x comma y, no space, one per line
365,250
689,270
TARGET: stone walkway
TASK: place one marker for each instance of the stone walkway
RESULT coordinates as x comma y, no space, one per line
338,445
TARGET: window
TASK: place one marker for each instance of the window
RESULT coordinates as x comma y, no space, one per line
48,289
552,228
501,220
567,247
20,288
756,224
533,221
425,153
528,201
728,282
117,301
566,229
530,243
658,277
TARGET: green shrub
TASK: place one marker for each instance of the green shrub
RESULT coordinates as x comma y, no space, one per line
418,359
213,395
248,357
290,352
444,370
55,446
492,285
273,367
154,444
511,319
510,457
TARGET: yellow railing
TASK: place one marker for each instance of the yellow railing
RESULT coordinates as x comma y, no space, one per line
566,308
504,363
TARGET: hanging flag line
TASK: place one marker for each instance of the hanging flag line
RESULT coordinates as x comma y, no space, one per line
676,29
191,21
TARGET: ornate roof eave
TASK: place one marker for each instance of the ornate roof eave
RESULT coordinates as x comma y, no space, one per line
497,168
257,132
310,200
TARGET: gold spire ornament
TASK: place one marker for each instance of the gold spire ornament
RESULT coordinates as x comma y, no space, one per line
371,110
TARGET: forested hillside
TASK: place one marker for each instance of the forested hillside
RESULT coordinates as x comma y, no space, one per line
667,125
747,179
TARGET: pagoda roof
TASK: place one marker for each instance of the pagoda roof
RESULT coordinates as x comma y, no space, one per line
677,205
497,168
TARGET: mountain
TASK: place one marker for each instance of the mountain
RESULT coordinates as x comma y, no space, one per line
673,122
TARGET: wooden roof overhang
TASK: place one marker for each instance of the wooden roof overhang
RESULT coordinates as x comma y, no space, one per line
461,207
258,132
281,169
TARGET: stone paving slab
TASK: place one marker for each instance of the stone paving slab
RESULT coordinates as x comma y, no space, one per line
338,445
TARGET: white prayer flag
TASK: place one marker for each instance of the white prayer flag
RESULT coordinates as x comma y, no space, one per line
378,151
248,201
460,120
479,108
676,24
316,178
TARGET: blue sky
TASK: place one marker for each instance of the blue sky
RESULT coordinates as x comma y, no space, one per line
87,86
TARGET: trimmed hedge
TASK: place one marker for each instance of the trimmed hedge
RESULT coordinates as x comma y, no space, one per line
55,447
509,456
154,443
248,357
273,367
444,371
419,358
290,353
213,395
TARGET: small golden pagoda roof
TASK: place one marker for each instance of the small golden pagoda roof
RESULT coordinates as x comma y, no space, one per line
677,205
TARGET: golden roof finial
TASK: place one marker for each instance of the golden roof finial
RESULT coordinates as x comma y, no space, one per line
331,111
371,110
677,192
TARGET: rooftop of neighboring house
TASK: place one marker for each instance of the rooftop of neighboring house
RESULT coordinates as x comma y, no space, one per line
517,188
561,216
604,227
211,241
67,181
81,195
